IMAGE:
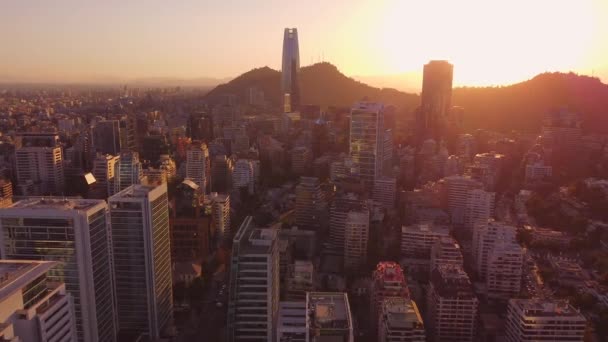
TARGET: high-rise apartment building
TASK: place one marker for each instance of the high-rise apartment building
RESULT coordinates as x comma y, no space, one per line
479,207
388,280
505,268
543,320
400,321
220,210
290,70
366,143
191,227
310,203
33,309
75,233
300,279
328,317
340,207
356,236
243,175
457,189
39,164
106,137
301,160
417,240
6,193
198,165
385,191
486,236
104,167
451,305
254,284
139,217
446,251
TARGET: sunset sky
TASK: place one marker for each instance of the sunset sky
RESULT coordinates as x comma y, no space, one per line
489,42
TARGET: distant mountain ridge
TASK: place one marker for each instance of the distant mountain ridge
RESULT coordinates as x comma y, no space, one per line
519,106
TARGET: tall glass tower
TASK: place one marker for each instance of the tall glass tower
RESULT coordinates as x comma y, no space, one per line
436,98
290,70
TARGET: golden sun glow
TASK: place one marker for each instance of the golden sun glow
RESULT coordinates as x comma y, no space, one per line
489,42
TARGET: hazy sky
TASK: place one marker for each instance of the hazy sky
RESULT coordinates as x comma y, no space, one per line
490,42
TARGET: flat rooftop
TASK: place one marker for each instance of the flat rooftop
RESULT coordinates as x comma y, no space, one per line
15,274
134,191
56,203
546,308
328,310
401,313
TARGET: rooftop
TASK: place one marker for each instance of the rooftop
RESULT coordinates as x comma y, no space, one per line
545,308
328,310
134,191
401,313
15,274
56,203
426,228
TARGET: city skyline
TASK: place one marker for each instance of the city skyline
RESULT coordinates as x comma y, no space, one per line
507,43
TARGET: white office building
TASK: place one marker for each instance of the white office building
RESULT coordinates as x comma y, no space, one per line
243,175
254,284
32,308
142,259
75,233
292,321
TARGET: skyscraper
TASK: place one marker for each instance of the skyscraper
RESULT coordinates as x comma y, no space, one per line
127,172
367,140
141,249
106,137
104,167
310,203
290,70
39,164
254,284
436,99
73,232
220,208
356,236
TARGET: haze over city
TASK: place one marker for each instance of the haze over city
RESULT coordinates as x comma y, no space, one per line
492,42
303,171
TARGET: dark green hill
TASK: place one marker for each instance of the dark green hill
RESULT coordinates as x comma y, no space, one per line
519,106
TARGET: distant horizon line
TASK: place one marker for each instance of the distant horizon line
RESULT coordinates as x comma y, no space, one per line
211,82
